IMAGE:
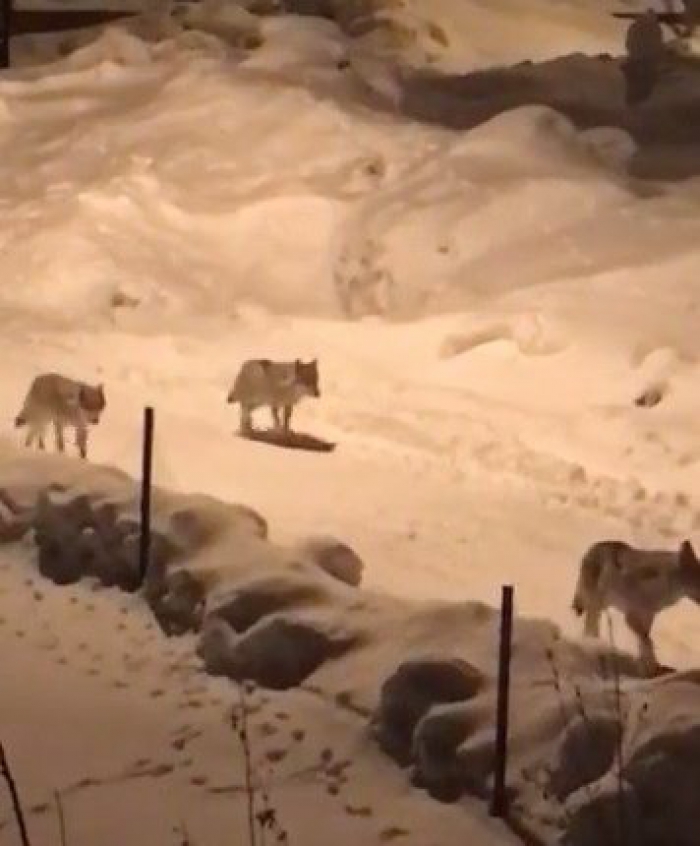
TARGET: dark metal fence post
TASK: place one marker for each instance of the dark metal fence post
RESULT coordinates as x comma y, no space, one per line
499,803
5,32
6,773
146,482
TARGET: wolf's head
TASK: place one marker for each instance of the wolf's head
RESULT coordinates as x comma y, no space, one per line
306,377
93,402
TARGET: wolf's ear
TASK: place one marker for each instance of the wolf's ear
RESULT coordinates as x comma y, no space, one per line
687,556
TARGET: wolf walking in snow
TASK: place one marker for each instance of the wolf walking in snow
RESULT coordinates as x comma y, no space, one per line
637,582
58,400
277,384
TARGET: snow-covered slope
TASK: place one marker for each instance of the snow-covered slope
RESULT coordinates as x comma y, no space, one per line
172,206
168,172
485,306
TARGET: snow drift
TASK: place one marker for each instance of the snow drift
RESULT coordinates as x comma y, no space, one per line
589,740
163,174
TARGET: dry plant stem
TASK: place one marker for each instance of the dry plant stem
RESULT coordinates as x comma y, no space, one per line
559,688
14,796
244,737
61,819
184,835
618,746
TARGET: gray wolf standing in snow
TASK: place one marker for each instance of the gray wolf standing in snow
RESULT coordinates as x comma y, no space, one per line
61,401
277,384
640,583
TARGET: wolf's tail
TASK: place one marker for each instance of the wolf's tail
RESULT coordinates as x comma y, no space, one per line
583,586
592,564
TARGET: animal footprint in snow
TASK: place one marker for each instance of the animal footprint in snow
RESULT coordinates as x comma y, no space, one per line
190,704
185,736
199,781
338,768
392,832
149,769
274,756
42,808
358,810
161,770
267,730
326,755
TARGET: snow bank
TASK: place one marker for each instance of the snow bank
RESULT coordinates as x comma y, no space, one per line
204,174
587,734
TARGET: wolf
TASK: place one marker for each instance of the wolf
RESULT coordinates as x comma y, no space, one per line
56,399
639,583
277,384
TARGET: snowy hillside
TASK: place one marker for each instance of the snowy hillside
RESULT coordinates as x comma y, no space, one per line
486,307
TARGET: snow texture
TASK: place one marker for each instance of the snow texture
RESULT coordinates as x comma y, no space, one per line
494,258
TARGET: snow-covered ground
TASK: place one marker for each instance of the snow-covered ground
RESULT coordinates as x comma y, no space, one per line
485,308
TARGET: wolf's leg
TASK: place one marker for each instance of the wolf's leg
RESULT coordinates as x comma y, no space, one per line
591,622
40,437
81,439
29,437
246,424
287,420
58,432
276,421
640,623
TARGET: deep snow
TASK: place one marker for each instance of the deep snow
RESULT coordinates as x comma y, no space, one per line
485,306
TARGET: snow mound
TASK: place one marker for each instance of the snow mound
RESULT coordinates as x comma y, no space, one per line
588,735
204,176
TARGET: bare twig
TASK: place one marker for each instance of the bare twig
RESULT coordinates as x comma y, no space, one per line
619,761
240,725
61,818
262,816
184,835
14,796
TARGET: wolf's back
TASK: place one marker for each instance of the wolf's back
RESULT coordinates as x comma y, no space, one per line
47,391
244,381
256,378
